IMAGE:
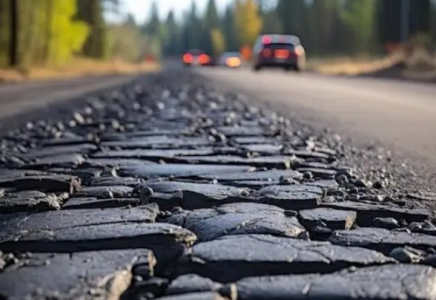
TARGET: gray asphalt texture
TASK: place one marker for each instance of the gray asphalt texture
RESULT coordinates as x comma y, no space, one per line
170,187
394,118
30,98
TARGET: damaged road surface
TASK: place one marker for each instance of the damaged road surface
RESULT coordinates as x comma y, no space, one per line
169,189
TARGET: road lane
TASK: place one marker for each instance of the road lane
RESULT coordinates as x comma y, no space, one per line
22,98
400,115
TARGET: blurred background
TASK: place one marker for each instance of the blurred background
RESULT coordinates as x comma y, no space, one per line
100,35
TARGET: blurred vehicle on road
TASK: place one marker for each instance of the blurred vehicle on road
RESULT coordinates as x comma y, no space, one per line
230,60
197,57
284,51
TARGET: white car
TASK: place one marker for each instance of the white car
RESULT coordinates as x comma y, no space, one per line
230,60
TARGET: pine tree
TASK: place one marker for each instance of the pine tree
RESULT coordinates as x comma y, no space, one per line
229,29
172,40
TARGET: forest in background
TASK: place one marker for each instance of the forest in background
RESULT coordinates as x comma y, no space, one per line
326,27
51,32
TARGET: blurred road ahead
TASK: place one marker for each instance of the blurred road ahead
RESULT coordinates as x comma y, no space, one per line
401,115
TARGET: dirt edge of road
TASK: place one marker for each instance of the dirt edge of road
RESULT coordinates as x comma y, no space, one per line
76,68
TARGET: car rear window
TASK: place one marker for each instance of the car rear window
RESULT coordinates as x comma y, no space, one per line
274,46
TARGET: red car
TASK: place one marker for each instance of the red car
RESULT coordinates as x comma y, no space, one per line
197,57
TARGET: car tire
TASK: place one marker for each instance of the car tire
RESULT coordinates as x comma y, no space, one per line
257,68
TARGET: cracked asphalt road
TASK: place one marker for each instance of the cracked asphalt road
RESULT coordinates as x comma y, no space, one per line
169,188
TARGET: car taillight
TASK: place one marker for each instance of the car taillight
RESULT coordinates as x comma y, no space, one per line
187,58
266,53
282,53
204,59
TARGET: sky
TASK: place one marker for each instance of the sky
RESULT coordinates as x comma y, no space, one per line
141,8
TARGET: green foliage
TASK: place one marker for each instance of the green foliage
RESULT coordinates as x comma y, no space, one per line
360,16
47,31
248,21
218,42
271,23
127,41
66,36
4,33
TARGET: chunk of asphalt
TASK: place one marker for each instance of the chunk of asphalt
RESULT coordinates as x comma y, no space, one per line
263,149
9,175
119,136
151,154
270,175
104,192
312,155
319,173
94,203
382,240
46,183
115,162
99,274
148,288
192,283
231,258
17,224
31,201
157,142
253,184
387,223
238,219
270,162
199,195
366,213
195,296
251,131
333,218
255,140
169,242
115,181
56,161
291,197
178,170
324,184
395,282
59,150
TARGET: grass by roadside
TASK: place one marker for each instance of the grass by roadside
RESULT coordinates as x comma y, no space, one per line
77,68
417,65
352,65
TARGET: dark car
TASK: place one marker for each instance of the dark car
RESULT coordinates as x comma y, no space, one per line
284,51
197,57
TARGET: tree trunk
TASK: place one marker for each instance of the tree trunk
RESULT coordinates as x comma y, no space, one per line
13,46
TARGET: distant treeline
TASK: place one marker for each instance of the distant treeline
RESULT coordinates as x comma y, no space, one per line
326,27
41,32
